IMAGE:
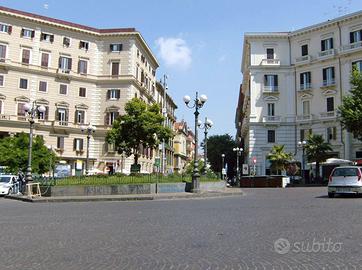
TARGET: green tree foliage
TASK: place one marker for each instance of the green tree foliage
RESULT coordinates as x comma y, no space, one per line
278,158
218,145
317,150
351,108
14,154
142,125
190,168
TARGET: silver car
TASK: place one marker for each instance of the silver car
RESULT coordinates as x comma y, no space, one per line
345,180
7,182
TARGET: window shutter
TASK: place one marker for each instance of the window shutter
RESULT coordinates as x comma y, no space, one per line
76,117
32,33
22,33
10,29
51,38
56,115
118,94
323,45
120,47
81,144
275,80
333,75
80,44
324,74
46,116
79,67
60,62
70,64
301,78
111,47
61,142
74,144
265,79
351,37
331,43
106,119
108,94
66,115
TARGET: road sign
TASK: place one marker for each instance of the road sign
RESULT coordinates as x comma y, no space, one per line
254,160
245,169
223,171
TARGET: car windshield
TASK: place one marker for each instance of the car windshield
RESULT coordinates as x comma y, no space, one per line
4,179
346,172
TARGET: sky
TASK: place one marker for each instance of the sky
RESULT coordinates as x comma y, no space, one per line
198,43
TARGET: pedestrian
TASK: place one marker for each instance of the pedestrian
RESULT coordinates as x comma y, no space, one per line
21,181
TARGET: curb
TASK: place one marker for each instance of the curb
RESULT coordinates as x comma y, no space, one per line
123,198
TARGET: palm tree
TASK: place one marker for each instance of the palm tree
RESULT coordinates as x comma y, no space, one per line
278,158
317,150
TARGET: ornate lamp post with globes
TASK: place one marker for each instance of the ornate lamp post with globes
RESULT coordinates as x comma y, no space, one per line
32,110
302,145
198,102
222,166
205,126
238,154
89,130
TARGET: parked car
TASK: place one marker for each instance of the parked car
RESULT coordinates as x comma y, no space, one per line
345,180
7,182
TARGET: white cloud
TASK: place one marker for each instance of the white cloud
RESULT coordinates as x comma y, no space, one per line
46,6
222,58
174,52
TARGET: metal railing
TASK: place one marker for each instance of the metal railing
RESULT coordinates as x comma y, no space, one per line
325,53
270,89
303,58
329,82
305,86
272,62
330,114
352,46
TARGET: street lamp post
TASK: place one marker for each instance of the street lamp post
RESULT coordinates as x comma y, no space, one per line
164,113
238,154
32,110
205,126
302,144
51,175
222,166
198,103
89,130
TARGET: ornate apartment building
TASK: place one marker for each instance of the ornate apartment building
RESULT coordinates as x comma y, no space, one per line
293,83
82,75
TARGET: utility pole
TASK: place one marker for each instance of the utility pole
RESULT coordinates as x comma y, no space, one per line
164,113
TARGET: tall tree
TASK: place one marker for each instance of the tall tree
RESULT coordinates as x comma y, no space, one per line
14,154
317,150
142,125
218,145
351,108
278,158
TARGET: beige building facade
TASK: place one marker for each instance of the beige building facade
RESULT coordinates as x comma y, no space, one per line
82,75
293,83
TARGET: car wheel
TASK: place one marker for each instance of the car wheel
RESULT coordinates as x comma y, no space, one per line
331,195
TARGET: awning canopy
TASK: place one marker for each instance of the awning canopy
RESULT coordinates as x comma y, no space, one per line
334,161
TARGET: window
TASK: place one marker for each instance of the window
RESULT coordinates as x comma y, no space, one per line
331,133
82,66
65,64
115,68
2,53
271,109
306,107
25,56
44,60
62,116
21,109
5,28
43,86
79,117
357,65
23,83
304,49
60,143
330,104
82,91
110,117
1,106
271,136
115,47
270,53
326,44
78,144
355,36
1,80
63,89
113,94
28,33
44,115
46,37
66,41
271,83
83,45
328,76
305,80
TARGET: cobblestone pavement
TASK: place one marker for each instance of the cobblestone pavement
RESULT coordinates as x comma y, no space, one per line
313,232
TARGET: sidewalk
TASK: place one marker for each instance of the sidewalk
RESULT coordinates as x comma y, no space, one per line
132,197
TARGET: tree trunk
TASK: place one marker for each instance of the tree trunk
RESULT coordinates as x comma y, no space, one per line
317,171
136,158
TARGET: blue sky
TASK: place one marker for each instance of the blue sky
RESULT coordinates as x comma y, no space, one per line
198,42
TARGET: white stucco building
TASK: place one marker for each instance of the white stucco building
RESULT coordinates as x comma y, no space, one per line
293,83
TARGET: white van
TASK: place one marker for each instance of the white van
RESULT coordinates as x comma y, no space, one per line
345,180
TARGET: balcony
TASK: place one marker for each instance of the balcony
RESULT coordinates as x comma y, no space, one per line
326,53
270,62
303,59
352,47
271,89
271,119
328,115
330,82
305,87
304,118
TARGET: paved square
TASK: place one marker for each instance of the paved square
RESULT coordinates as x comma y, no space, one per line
313,232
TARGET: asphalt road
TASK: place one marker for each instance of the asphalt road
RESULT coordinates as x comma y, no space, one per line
295,228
